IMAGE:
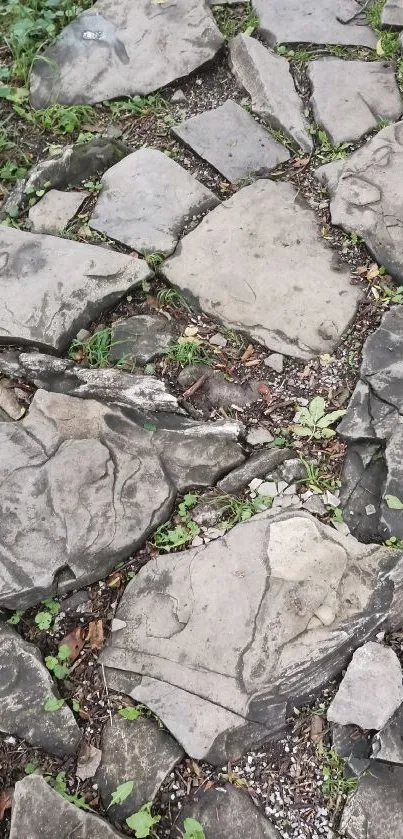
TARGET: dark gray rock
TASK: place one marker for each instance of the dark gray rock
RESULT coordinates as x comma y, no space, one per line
134,750
118,49
353,745
54,211
232,141
227,812
140,339
387,745
363,477
25,687
147,200
375,809
258,465
312,22
392,14
76,163
217,391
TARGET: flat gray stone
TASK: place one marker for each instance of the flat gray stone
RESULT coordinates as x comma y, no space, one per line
217,391
25,687
54,211
258,465
227,812
392,14
387,745
9,403
375,809
233,260
349,98
54,286
353,745
140,338
146,201
38,812
329,173
275,361
134,750
107,50
368,199
371,690
258,436
312,22
232,141
221,670
266,77
84,484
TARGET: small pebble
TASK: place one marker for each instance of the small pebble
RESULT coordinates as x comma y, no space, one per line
275,361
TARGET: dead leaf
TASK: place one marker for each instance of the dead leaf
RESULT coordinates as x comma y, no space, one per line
88,761
114,580
84,715
248,352
301,162
253,363
373,271
191,331
6,800
75,641
96,634
196,768
265,393
317,728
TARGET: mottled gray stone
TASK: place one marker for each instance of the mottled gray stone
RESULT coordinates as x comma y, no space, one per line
76,163
137,750
52,286
352,744
227,812
9,402
38,812
363,476
146,201
25,686
232,141
387,745
83,484
329,173
371,690
276,361
211,509
258,436
375,809
266,77
54,211
141,338
118,49
392,13
312,22
217,391
232,263
221,669
349,98
258,465
314,504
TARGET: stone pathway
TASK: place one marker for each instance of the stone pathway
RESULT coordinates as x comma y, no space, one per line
201,329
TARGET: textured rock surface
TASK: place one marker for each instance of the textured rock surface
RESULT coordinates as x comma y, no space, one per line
140,338
392,13
232,141
216,809
219,669
134,750
371,690
52,286
82,485
41,813
233,260
267,78
25,686
117,49
353,745
217,391
387,745
256,466
375,809
54,211
76,163
146,201
349,98
312,22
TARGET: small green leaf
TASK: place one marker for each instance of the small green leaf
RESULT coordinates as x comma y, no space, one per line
149,426
142,821
326,432
301,431
193,829
76,706
60,671
64,652
393,502
43,620
53,704
317,408
130,712
15,618
51,662
29,768
52,605
305,418
329,419
121,793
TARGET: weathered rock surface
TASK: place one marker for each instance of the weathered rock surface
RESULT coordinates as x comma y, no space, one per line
312,22
25,687
387,745
9,403
266,77
349,98
368,199
234,260
39,812
232,141
227,811
353,745
51,286
54,211
146,201
392,13
117,49
83,484
220,669
375,809
329,173
135,750
141,338
258,465
217,391
371,690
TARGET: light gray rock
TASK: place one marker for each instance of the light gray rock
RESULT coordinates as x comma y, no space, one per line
258,465
25,687
312,22
371,690
38,812
232,141
54,211
266,77
54,286
375,809
146,201
392,13
276,361
141,338
106,51
232,264
329,173
137,750
221,670
314,504
9,402
83,484
211,509
349,98
215,809
258,436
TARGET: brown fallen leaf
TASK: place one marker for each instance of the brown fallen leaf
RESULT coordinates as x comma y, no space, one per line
88,761
75,641
114,580
317,728
373,271
248,352
301,162
6,800
96,634
265,393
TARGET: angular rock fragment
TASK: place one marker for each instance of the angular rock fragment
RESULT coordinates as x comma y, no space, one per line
258,465
146,201
387,745
256,251
392,13
217,808
353,745
123,48
232,141
76,163
216,390
141,338
375,809
54,211
313,22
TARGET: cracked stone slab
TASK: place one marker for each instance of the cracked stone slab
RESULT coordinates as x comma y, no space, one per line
349,98
83,484
387,745
221,670
232,263
312,22
217,808
392,14
368,199
140,339
266,77
25,686
167,197
106,51
232,141
38,812
54,211
375,809
51,287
